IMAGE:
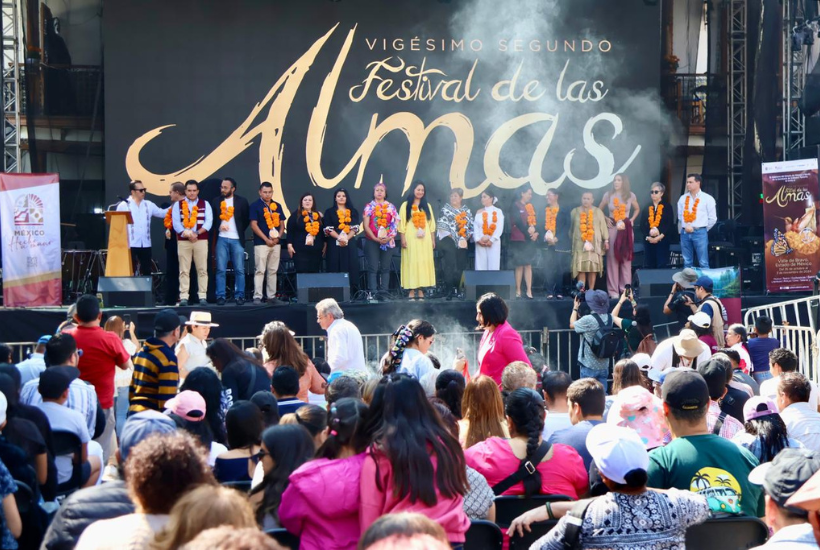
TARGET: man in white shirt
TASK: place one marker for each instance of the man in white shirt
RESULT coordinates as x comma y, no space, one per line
802,420
684,350
345,350
229,242
139,233
192,241
782,361
696,216
32,367
554,387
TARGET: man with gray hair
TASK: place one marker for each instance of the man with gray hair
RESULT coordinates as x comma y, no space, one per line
344,341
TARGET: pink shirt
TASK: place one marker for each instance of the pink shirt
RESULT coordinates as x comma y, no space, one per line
498,349
321,503
447,512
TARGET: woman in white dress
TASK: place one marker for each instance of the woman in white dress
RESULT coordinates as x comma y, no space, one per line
487,229
191,348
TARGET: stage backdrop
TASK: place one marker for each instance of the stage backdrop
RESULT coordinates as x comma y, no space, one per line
30,225
790,195
314,95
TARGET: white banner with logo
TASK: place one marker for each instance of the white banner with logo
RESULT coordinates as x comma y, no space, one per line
30,232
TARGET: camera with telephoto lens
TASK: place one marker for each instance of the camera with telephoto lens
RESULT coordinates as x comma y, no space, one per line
580,292
679,298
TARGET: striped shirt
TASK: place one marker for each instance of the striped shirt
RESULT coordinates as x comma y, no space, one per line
155,378
82,397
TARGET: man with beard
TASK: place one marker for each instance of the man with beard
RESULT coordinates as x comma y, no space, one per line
229,239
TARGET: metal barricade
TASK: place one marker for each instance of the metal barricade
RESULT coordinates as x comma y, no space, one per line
801,312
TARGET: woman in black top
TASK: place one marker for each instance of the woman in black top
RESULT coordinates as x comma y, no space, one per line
523,238
658,227
306,239
342,250
242,375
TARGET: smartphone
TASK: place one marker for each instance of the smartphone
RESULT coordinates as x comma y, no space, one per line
460,353
126,318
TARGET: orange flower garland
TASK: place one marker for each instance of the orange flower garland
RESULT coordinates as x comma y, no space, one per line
531,219
272,216
344,219
225,213
551,214
168,221
189,221
419,219
461,224
587,230
489,229
312,227
655,216
688,216
619,214
380,213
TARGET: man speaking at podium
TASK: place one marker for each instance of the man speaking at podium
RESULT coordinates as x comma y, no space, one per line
139,233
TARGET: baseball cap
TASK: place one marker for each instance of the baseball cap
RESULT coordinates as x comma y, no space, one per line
701,319
758,406
166,320
616,451
715,375
686,278
188,404
657,375
55,380
685,390
44,339
140,426
643,360
705,282
785,474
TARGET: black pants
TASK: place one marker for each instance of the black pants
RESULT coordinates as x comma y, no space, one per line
378,263
556,267
453,261
172,272
143,256
656,256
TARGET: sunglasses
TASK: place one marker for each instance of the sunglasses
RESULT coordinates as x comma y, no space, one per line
656,192
140,190
259,456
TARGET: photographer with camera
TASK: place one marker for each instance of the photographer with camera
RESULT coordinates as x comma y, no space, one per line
637,327
710,305
682,288
601,341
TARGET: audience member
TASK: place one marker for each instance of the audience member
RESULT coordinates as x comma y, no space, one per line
637,408
736,339
554,385
369,389
586,408
734,398
122,378
638,329
256,353
413,464
644,362
285,385
341,387
23,449
11,528
517,374
782,361
191,349
807,498
405,524
313,418
593,366
709,304
158,471
718,422
345,349
321,502
206,383
244,426
283,349
284,449
701,324
766,433
802,420
760,347
231,538
676,304
202,508
500,343
267,403
483,413
696,459
188,411
6,354
35,364
241,375
450,387
559,469
409,353
740,379
156,375
625,373
684,350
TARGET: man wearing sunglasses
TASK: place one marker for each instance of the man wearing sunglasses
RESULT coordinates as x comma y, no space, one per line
139,233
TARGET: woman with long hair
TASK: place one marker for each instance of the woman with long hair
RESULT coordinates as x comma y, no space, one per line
590,241
341,223
483,413
450,386
311,417
766,433
321,504
558,245
244,426
625,374
639,330
658,226
381,226
624,209
413,463
487,229
409,352
284,449
205,382
523,238
416,227
242,375
283,349
306,240
455,231
500,344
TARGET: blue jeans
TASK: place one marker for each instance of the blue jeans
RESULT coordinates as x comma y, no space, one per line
230,249
696,243
601,376
762,376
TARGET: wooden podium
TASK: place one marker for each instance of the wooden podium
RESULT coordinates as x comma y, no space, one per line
118,263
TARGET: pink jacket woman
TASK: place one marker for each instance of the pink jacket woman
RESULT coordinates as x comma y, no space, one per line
498,349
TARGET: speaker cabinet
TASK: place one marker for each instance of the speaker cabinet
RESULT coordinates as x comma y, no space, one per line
654,282
315,287
126,291
477,283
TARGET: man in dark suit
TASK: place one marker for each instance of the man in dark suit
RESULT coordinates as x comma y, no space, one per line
177,193
231,213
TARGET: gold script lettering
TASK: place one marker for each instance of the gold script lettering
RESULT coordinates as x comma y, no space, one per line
785,195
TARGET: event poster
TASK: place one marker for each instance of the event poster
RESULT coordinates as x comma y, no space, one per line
790,194
30,228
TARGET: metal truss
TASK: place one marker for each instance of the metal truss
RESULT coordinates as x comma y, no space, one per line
794,82
738,102
10,84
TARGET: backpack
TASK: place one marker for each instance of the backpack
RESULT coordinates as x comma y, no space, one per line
608,340
647,345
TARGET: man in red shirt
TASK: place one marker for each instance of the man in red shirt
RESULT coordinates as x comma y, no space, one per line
102,353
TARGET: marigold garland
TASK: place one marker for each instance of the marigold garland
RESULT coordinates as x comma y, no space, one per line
419,219
461,224
655,216
587,229
489,229
312,227
225,213
531,219
168,221
271,216
189,221
344,219
380,212
619,214
689,217
551,214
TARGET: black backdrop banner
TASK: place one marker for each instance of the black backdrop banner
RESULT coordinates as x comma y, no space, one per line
314,95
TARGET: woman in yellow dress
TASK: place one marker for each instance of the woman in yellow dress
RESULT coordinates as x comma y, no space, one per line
588,249
417,228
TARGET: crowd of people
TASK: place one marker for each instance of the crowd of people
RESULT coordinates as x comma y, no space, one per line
582,242
222,444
